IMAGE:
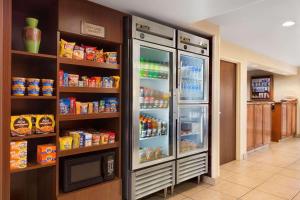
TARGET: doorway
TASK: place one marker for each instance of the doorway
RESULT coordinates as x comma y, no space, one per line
227,112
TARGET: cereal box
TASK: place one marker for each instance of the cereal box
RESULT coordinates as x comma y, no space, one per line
20,125
45,124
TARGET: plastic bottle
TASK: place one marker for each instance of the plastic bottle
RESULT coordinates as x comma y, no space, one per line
154,127
149,130
146,68
150,71
159,127
142,67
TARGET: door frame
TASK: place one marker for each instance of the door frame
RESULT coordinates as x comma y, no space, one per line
240,139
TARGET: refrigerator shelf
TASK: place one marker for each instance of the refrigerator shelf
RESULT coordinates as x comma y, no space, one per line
147,78
153,137
154,109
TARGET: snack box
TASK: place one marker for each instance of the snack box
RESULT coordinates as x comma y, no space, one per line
18,155
18,146
46,149
21,125
45,124
46,158
76,139
88,139
65,143
18,164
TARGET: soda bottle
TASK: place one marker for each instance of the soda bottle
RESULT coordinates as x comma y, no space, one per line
158,127
159,70
141,97
166,100
142,67
164,128
161,100
142,127
151,99
156,99
145,124
151,69
154,127
156,70
149,126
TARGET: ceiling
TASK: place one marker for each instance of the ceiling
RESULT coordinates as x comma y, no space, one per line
178,12
258,27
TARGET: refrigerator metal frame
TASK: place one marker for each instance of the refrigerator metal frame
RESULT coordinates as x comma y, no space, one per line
136,44
205,77
205,149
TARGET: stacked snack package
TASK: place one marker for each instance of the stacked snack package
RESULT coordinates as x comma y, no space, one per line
83,52
34,86
18,154
85,138
46,154
71,106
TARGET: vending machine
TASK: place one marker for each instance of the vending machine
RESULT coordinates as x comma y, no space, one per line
149,147
193,106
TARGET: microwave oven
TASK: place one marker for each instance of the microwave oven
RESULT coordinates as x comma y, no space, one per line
86,170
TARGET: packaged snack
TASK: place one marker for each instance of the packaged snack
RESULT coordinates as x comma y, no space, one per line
44,124
46,158
102,106
98,81
111,57
78,53
113,102
64,106
111,138
21,125
33,90
72,105
85,81
73,80
92,82
61,78
33,82
104,138
100,56
33,121
84,108
76,139
48,82
116,82
18,81
65,143
18,154
18,90
47,91
80,83
82,139
66,79
18,164
96,139
107,82
96,106
46,149
78,107
88,139
66,48
20,145
90,108
90,53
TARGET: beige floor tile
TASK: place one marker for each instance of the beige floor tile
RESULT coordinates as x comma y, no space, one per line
229,188
247,181
207,194
258,195
278,190
297,197
225,173
290,173
285,181
189,189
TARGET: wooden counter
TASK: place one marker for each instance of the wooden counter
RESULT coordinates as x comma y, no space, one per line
259,124
284,118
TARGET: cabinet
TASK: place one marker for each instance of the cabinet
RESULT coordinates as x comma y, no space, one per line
284,116
259,123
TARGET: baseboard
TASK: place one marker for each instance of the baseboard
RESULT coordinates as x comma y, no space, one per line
264,147
209,180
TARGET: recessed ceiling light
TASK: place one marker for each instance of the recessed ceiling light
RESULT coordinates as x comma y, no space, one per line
288,24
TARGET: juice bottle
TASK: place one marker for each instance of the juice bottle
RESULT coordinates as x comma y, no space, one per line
146,68
145,125
154,127
159,127
142,67
141,97
155,69
149,126
151,71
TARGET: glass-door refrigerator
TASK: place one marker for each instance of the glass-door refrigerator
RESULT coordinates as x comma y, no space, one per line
150,139
193,105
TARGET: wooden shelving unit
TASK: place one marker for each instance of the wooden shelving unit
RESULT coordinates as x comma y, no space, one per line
89,90
56,20
87,149
32,166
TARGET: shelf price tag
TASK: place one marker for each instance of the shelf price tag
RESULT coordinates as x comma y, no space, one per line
92,29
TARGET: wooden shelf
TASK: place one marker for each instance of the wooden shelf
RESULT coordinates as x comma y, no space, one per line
37,55
87,149
34,97
32,166
71,117
86,63
89,90
33,136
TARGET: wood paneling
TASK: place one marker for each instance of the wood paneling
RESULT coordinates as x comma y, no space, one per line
267,123
228,112
284,118
258,116
250,127
71,13
259,124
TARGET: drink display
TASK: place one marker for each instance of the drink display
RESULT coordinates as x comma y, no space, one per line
151,127
150,98
153,69
192,81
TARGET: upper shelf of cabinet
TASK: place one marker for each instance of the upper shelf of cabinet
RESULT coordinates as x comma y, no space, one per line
25,54
86,63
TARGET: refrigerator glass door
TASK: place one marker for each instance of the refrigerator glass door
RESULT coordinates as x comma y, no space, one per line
193,72
153,75
192,129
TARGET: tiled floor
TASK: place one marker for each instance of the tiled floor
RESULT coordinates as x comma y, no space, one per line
272,174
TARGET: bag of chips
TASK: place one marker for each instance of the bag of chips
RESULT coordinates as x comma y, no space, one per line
66,49
100,56
90,53
78,53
